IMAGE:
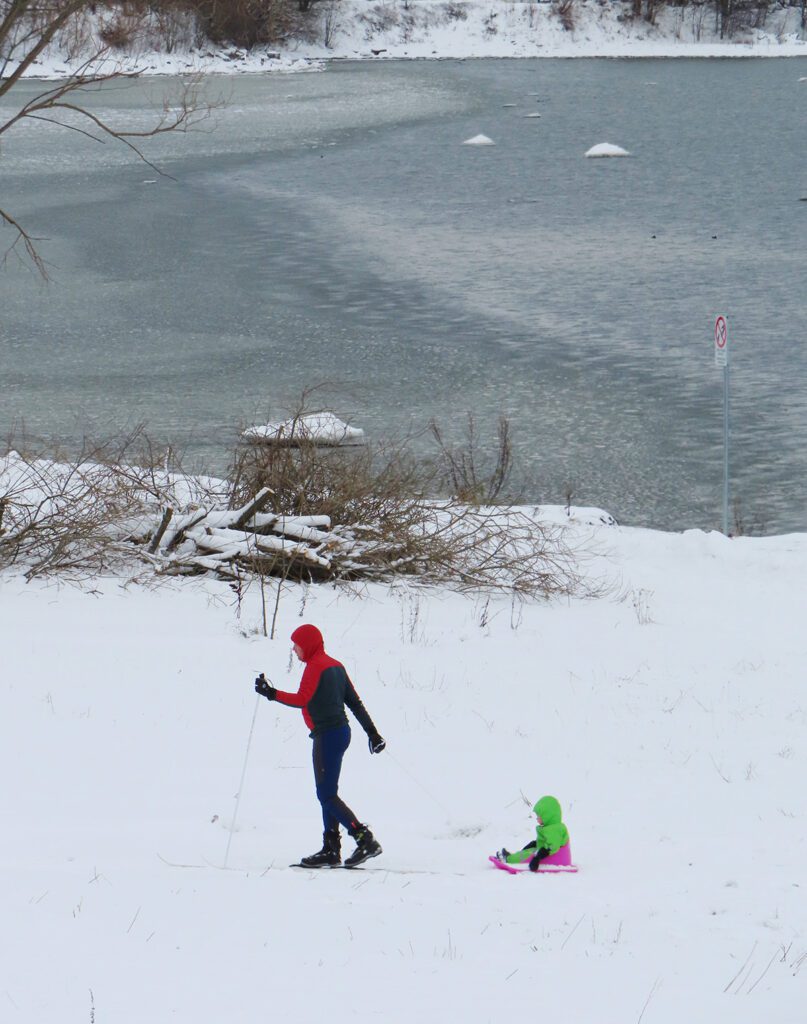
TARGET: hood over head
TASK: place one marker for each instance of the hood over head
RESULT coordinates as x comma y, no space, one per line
309,639
548,810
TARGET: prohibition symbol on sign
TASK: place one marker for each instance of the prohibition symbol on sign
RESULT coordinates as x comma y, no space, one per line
721,341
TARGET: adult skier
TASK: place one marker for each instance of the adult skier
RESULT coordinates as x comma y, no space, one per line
325,690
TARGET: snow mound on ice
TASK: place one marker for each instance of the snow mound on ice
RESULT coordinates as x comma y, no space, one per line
479,140
314,428
606,149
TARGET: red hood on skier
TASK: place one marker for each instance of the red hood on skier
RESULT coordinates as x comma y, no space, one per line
309,639
325,688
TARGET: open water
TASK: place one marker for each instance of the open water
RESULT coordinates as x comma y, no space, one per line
331,229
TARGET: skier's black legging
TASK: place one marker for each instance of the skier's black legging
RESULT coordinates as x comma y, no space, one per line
329,749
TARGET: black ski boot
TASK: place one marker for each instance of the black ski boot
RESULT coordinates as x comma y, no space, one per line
367,846
330,856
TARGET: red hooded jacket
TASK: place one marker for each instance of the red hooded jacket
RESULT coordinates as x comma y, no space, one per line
325,688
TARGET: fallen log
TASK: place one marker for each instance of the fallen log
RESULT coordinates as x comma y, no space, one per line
160,531
257,503
192,520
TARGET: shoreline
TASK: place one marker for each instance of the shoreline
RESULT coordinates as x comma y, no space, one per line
311,65
407,30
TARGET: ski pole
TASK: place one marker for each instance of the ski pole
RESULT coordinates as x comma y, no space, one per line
243,775
417,782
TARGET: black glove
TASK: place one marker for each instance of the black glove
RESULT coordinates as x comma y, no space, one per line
535,863
376,743
263,687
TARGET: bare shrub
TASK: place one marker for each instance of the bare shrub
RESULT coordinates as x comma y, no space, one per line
75,37
359,485
456,11
699,15
330,22
408,25
648,9
77,514
118,33
247,23
65,517
460,467
173,26
565,11
742,15
742,525
379,18
494,548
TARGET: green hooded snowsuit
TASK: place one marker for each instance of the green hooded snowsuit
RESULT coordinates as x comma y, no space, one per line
550,834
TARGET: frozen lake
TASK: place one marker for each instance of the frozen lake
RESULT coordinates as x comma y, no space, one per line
332,228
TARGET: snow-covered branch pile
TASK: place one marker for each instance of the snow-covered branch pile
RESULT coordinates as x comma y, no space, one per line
445,542
87,516
223,541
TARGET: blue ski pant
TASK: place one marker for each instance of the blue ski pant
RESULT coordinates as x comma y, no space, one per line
329,749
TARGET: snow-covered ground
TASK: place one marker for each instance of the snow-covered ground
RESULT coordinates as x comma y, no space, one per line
668,717
474,28
357,30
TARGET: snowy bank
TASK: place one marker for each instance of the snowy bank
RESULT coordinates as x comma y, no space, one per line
406,29
422,29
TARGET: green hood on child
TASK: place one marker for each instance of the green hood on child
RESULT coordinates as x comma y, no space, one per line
551,832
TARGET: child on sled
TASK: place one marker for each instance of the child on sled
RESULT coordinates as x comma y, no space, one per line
550,835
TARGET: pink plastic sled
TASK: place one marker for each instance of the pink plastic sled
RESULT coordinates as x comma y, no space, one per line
555,863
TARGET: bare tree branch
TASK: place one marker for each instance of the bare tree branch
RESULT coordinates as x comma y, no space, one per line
27,29
27,242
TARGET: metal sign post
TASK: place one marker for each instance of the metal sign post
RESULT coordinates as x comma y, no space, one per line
722,359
